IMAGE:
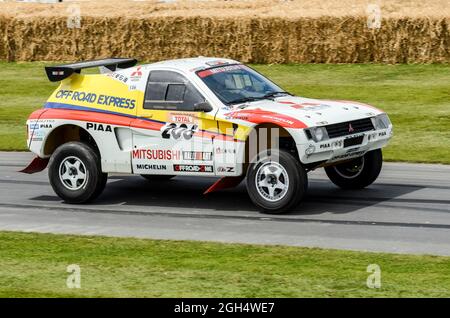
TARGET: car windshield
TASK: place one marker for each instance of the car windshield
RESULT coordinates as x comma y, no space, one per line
234,84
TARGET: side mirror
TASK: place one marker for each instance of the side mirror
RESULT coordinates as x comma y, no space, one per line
203,107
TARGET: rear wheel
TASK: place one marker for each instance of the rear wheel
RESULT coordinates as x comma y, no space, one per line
276,182
75,173
357,173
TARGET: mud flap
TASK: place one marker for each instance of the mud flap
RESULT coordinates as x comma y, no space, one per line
225,183
37,165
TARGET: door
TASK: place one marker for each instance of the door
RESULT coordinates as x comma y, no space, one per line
169,136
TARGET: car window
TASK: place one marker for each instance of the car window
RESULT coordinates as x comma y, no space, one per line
170,90
237,82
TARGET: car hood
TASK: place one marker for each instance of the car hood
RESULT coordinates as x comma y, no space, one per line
310,112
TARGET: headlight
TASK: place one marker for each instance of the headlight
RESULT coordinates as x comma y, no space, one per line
317,134
381,121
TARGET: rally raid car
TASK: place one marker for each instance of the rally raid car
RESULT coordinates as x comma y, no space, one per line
202,117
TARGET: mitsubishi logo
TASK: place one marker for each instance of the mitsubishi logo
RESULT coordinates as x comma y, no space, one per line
137,72
350,128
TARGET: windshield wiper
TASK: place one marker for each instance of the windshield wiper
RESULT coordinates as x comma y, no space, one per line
245,99
273,94
253,99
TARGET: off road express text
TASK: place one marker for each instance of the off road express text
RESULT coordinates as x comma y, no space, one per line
93,98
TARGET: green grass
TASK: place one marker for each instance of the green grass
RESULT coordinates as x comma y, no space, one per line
417,98
34,265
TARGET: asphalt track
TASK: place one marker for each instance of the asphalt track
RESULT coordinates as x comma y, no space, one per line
406,211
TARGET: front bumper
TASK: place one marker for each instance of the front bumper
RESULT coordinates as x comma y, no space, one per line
335,150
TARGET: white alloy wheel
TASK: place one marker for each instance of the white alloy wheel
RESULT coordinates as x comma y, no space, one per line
73,173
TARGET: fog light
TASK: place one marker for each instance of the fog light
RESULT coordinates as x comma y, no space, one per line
310,150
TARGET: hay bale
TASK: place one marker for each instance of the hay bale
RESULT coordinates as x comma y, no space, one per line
252,38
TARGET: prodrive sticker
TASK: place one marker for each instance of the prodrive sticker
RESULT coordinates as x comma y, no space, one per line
193,168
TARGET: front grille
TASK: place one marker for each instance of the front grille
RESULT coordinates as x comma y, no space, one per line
344,129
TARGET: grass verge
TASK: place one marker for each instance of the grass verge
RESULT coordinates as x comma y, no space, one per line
417,98
35,265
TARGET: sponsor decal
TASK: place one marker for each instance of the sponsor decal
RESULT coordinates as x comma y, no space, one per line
237,116
192,168
278,119
325,146
119,77
98,127
181,118
151,167
197,155
261,116
41,124
92,98
225,169
174,131
381,134
220,150
216,70
38,135
136,75
156,154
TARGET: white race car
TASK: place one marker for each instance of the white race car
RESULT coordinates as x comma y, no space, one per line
203,117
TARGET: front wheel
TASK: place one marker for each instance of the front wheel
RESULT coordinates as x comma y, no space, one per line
357,173
277,182
75,173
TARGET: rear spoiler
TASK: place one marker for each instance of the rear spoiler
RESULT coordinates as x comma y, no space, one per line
60,72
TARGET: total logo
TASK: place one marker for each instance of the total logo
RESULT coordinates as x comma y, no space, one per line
192,168
181,118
